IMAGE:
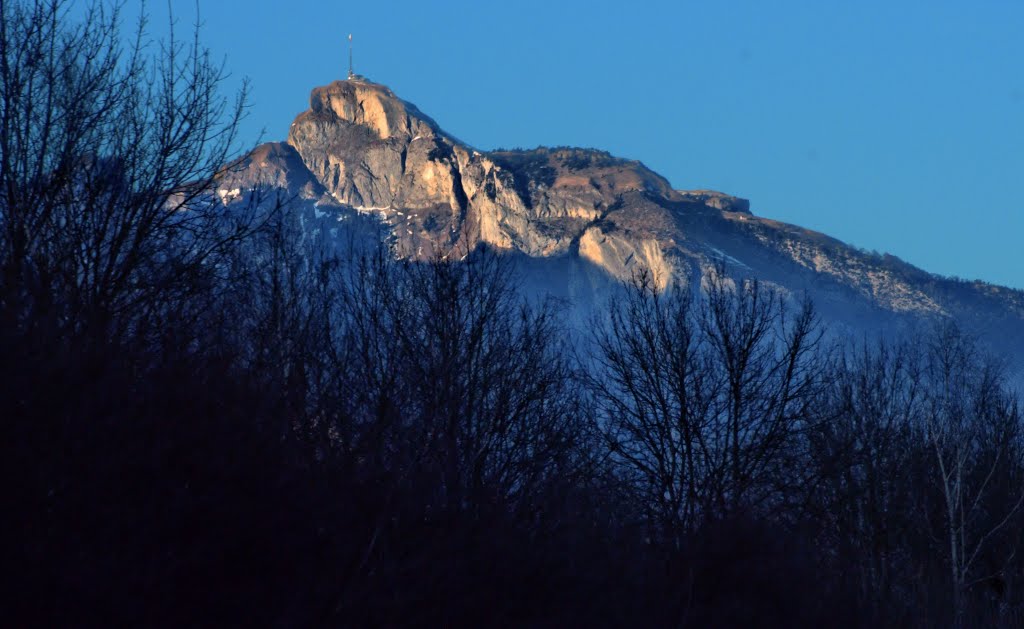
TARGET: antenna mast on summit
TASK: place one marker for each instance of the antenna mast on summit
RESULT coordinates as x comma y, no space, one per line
350,73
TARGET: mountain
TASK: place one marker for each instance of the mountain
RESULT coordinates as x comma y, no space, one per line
581,217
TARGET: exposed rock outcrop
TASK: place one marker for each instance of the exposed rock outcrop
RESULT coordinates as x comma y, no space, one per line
274,165
374,152
362,149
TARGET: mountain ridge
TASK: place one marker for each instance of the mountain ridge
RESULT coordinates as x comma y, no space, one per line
360,148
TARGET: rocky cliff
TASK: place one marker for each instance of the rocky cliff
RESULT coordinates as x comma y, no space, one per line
376,153
361,149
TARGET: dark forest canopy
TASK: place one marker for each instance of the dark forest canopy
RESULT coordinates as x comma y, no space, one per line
219,417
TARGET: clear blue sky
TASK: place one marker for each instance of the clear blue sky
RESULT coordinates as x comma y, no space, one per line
894,126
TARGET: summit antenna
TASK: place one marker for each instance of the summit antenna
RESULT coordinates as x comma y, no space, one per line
351,74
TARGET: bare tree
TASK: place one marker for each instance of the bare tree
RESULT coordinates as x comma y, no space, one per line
766,355
917,463
655,387
973,429
448,380
860,456
701,396
109,157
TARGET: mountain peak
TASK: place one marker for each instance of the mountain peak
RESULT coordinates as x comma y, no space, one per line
368,105
362,149
375,152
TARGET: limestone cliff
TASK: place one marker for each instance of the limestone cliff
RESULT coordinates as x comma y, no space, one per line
376,153
361,149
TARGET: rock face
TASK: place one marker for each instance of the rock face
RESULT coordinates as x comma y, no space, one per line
361,149
275,165
374,152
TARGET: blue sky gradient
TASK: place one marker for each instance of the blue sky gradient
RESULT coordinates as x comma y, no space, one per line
894,126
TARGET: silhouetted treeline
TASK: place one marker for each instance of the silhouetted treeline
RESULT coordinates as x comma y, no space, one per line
227,416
